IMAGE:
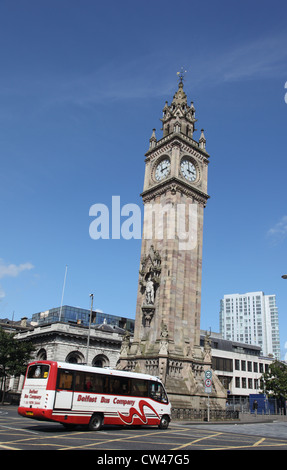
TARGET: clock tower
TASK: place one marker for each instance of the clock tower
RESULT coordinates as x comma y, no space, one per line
167,326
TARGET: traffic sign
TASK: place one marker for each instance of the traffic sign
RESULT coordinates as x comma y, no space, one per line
208,381
208,374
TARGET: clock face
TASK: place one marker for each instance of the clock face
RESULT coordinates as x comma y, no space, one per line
162,169
188,170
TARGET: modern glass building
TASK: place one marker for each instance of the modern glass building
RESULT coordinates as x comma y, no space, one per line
81,316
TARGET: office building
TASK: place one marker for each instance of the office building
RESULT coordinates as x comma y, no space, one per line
251,318
80,316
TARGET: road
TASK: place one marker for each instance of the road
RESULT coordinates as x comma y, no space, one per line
19,433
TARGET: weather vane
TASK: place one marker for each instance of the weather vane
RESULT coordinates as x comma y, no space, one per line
181,74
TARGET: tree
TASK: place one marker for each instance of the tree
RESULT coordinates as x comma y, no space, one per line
14,357
275,380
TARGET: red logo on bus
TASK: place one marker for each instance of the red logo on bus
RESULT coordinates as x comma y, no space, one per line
134,412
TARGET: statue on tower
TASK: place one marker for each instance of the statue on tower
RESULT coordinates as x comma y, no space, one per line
149,282
149,291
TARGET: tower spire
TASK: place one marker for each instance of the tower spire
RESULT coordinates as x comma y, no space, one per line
181,75
179,117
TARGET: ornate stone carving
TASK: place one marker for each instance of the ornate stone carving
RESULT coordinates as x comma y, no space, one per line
126,344
151,366
175,185
148,313
150,269
207,348
149,283
163,350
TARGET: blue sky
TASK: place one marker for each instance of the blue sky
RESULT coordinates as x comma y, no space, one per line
82,85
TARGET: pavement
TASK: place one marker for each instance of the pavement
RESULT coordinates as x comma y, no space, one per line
274,426
243,418
277,430
252,418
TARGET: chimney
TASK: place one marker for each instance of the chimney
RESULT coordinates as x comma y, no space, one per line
24,322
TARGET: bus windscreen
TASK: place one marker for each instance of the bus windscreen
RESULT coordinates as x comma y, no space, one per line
38,371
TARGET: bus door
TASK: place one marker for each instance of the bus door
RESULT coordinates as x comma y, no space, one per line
64,390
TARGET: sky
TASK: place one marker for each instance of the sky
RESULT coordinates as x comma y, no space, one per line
82,85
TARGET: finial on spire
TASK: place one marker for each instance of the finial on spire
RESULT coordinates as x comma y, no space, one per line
181,74
152,140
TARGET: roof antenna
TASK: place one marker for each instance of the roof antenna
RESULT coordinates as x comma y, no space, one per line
60,314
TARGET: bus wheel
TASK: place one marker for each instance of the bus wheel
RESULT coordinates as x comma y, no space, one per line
164,422
96,422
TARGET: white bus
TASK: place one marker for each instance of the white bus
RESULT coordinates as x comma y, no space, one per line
76,394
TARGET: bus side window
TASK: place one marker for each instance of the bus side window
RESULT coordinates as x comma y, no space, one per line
125,386
79,381
115,386
65,380
97,383
139,388
120,385
105,388
89,383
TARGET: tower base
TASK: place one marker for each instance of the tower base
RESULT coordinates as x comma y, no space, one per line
183,377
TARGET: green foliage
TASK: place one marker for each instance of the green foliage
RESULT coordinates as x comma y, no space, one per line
14,355
275,380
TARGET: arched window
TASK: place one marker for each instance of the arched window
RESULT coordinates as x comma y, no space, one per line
75,357
101,361
42,354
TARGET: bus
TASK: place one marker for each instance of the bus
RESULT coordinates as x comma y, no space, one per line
74,394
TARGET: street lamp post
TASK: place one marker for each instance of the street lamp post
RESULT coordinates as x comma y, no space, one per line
89,332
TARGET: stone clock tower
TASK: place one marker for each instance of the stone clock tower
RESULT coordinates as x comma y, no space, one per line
167,327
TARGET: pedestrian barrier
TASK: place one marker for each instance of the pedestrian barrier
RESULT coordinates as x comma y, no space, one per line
202,414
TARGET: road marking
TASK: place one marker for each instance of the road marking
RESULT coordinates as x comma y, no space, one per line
197,440
258,442
16,429
8,447
109,441
246,447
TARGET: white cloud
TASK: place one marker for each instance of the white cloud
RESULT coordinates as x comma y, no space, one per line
279,231
258,58
250,59
261,58
12,270
145,75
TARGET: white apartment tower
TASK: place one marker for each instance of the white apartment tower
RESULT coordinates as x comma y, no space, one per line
251,318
